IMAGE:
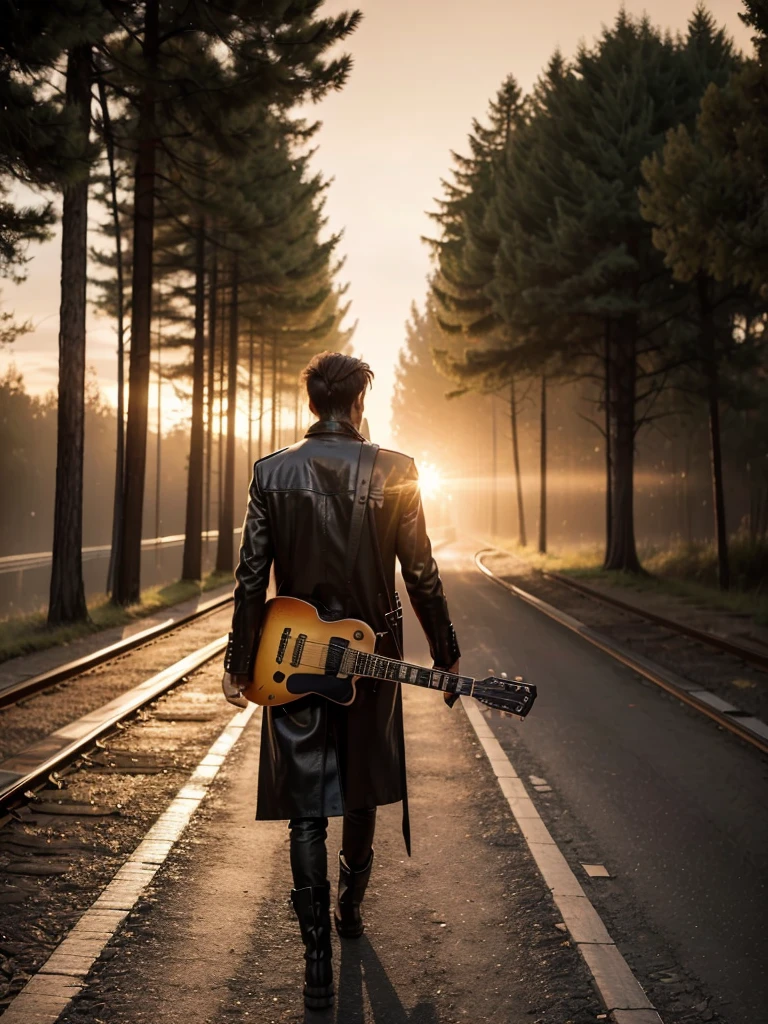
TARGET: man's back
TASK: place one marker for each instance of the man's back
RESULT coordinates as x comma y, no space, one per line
318,759
299,516
309,494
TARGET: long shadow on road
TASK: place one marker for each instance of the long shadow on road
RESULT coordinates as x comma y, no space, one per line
362,972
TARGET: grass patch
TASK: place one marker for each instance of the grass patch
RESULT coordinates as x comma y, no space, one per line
24,634
686,571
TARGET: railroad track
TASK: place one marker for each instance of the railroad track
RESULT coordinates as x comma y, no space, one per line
73,807
34,764
36,684
692,692
720,643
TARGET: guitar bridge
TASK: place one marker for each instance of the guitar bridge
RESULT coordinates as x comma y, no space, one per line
283,644
298,649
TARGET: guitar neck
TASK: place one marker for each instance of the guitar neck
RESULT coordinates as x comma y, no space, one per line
374,666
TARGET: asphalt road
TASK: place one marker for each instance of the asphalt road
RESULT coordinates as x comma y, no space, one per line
674,807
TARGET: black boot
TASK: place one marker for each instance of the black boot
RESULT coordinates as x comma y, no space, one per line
313,909
352,885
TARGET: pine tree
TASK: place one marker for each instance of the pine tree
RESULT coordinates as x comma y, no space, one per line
30,131
272,53
756,16
53,147
264,217
67,594
466,250
577,277
692,195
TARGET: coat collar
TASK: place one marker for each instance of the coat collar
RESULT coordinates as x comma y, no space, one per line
337,427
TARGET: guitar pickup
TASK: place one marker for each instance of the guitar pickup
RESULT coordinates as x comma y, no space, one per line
283,644
298,649
336,649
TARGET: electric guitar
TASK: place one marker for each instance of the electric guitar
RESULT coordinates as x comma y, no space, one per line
299,653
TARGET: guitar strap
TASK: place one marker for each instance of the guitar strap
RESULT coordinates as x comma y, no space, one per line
393,616
365,461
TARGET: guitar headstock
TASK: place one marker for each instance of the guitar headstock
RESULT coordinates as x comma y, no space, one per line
514,696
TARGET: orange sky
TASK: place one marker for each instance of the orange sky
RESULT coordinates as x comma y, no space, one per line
423,70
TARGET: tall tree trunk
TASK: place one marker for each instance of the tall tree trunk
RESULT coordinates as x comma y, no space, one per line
128,578
261,396
687,509
622,553
192,562
222,372
494,473
225,555
522,538
274,395
543,468
117,501
250,394
715,450
158,439
67,593
211,388
279,402
608,462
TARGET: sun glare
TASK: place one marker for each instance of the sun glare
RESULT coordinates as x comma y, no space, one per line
430,480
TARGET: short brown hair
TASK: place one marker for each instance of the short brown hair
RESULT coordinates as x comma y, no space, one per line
334,381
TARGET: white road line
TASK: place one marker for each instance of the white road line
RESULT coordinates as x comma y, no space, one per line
620,991
47,994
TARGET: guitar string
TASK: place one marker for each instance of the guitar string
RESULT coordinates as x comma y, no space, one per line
351,650
344,650
355,651
489,699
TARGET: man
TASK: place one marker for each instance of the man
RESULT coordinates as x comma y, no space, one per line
319,759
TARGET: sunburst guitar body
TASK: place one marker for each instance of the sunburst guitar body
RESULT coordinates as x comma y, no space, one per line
300,652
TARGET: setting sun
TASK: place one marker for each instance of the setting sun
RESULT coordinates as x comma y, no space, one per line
431,480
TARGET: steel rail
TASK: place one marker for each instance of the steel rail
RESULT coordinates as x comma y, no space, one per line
643,666
35,684
721,643
35,763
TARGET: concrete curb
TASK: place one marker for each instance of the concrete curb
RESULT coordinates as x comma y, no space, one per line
620,991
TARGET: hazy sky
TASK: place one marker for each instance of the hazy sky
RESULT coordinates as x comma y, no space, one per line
422,71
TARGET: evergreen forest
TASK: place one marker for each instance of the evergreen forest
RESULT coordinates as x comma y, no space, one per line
598,283
181,130
589,359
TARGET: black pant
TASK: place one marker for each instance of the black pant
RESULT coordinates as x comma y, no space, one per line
309,859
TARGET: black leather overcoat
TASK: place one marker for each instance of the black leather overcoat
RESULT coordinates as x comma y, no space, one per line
316,757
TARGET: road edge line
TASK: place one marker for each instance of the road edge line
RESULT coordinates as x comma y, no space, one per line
48,993
688,692
622,994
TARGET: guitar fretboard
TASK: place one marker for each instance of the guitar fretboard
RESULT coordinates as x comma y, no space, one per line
358,663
